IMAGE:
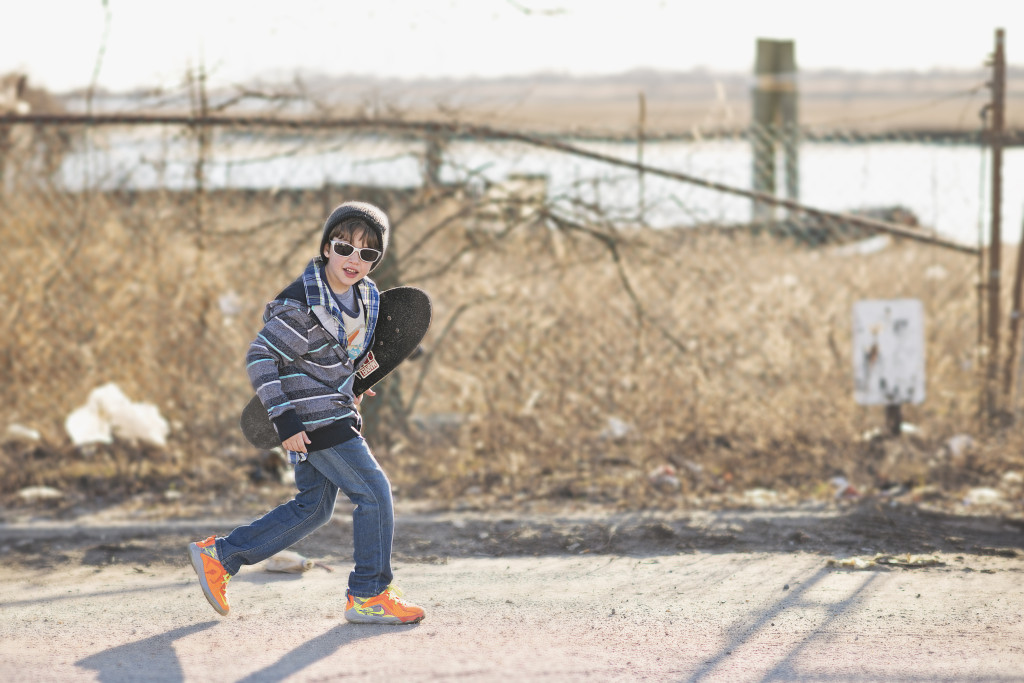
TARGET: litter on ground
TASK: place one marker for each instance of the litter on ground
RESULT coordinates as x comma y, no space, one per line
906,561
109,414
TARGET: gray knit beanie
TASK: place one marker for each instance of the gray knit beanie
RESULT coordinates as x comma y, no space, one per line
374,217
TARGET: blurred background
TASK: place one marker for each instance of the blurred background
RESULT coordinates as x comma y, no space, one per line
644,228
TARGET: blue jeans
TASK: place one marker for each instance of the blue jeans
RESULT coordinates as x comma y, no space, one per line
350,467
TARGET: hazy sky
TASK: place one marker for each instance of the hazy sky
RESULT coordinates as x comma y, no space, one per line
148,43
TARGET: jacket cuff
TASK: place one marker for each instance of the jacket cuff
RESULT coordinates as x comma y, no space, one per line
288,425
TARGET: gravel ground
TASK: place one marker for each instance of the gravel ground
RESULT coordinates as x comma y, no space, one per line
869,592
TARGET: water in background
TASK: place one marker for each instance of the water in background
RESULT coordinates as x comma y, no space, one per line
946,186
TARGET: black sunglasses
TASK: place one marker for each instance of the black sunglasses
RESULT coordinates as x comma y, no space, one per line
345,249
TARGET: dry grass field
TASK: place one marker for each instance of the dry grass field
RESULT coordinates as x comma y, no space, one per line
566,361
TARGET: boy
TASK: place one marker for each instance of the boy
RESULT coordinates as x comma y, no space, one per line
302,366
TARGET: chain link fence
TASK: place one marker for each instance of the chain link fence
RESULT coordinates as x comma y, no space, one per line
604,310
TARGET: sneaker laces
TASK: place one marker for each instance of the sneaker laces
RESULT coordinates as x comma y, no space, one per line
396,594
223,587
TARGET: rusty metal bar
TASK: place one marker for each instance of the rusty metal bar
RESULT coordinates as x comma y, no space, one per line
995,236
641,126
1012,136
471,130
1015,315
1018,280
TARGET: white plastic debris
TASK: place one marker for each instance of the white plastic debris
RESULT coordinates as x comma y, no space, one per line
843,489
33,494
851,563
871,434
288,562
85,426
665,478
865,247
1012,481
760,497
983,495
109,414
615,430
959,444
906,561
21,433
230,304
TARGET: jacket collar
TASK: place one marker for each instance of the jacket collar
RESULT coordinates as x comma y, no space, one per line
319,299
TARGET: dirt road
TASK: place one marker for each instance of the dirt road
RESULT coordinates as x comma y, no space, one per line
738,596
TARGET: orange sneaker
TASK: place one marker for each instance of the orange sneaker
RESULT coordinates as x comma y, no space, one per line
386,608
210,571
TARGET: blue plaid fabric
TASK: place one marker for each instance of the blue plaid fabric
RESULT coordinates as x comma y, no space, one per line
318,293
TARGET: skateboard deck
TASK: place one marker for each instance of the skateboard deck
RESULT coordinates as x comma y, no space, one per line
402,322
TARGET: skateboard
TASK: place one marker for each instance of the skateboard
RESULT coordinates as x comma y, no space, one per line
402,322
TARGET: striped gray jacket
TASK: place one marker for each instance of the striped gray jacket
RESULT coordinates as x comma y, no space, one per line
299,364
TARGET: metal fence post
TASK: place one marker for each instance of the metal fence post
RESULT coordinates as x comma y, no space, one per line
774,120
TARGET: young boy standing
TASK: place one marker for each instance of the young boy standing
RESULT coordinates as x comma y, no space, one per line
302,366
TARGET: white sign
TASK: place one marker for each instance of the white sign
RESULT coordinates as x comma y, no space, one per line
888,352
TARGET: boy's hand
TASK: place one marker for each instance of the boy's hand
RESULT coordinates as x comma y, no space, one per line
368,392
296,443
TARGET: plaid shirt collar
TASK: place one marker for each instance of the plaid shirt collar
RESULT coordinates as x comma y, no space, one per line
314,280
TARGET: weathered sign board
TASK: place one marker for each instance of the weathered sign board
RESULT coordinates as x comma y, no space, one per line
888,352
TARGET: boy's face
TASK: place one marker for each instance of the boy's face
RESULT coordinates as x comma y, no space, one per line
344,271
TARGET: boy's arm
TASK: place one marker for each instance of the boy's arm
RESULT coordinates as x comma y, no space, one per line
284,338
